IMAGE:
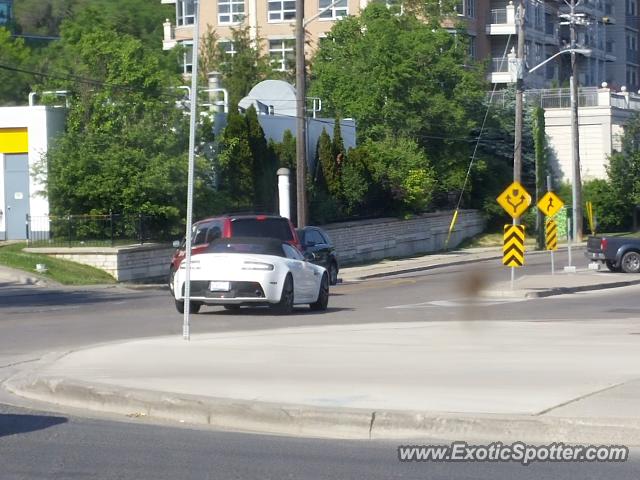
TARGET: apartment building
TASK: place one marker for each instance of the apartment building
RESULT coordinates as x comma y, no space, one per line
610,31
272,20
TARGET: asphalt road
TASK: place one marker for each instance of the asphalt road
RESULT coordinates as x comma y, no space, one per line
38,444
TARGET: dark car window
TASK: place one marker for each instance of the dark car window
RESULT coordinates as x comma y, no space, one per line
325,236
200,235
314,237
268,227
213,234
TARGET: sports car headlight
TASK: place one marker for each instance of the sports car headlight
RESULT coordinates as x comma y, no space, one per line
257,266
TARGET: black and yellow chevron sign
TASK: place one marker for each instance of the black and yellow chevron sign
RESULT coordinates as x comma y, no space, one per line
513,248
551,229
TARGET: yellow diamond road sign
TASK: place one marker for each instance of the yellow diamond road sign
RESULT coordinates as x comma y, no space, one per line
515,200
550,203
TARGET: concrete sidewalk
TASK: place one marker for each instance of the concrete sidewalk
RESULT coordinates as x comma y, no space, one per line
533,381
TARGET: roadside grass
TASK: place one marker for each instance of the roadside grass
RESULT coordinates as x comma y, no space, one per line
62,271
490,240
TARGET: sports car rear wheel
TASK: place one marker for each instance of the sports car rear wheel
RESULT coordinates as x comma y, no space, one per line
323,295
285,305
194,307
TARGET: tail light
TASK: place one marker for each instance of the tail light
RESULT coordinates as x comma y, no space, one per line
603,244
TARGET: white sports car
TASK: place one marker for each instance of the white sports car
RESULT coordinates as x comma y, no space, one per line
252,271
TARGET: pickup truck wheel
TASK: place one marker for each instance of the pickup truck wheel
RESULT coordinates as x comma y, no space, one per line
630,262
612,266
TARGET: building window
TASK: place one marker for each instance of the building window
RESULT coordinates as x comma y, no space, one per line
230,11
282,10
282,54
472,47
336,12
538,53
539,16
631,8
395,6
185,12
5,13
466,8
187,57
470,8
227,47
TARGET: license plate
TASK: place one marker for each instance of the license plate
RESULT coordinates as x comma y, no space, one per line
219,286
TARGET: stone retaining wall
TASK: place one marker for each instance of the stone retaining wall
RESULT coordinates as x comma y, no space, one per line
367,240
126,264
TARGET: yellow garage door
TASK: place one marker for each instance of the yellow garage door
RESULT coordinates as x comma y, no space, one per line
14,140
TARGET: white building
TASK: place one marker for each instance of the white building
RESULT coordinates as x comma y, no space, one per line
602,116
25,136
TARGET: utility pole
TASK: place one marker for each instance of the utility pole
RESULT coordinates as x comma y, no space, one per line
517,145
301,121
575,133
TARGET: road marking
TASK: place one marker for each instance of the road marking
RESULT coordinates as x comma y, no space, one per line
460,302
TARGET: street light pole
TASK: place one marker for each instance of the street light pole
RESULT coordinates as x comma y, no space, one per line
301,130
576,187
517,145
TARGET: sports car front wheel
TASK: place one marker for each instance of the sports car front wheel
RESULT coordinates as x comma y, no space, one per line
323,295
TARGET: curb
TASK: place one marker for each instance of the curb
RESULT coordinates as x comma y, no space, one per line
584,288
325,422
437,265
551,292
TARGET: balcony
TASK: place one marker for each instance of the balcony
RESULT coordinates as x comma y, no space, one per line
169,40
500,71
502,21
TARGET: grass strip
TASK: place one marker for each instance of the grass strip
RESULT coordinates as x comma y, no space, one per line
62,271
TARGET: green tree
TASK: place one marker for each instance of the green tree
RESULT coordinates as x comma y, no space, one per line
403,179
14,85
326,163
124,147
541,168
399,76
265,163
236,162
240,71
623,174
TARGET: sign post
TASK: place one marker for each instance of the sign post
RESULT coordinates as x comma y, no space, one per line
515,200
550,204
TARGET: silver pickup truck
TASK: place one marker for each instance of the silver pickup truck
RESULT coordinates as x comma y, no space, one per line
619,254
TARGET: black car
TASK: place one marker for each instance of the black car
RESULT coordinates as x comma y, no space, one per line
315,240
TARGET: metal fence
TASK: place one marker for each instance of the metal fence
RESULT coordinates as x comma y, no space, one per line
498,16
98,230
